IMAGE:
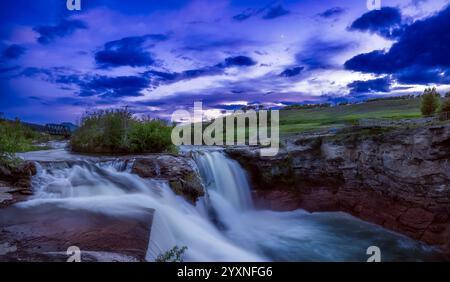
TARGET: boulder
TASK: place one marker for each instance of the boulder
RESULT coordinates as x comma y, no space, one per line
45,232
179,171
15,182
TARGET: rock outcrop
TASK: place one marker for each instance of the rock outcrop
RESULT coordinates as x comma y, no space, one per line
15,182
46,232
177,170
399,179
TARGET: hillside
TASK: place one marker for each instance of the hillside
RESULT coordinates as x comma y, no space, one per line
325,118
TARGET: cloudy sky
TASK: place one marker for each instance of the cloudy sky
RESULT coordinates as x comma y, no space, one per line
158,56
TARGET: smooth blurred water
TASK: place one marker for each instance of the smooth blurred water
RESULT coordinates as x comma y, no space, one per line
296,235
223,226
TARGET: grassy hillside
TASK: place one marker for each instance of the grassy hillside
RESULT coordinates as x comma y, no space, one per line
292,121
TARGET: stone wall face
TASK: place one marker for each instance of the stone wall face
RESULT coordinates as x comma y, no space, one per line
399,179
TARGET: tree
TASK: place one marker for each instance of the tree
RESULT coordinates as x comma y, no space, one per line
430,101
447,95
445,108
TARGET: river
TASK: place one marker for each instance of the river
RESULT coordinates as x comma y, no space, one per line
223,225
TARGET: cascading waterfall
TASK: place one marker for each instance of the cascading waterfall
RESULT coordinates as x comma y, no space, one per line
101,187
225,178
224,225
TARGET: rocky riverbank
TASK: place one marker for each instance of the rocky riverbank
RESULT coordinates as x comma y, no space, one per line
398,179
15,182
44,232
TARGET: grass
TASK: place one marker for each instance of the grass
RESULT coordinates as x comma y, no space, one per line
16,137
302,120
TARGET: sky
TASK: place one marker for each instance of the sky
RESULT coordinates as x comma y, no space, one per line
159,56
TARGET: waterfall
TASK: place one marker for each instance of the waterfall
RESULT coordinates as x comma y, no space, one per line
224,177
223,225
105,188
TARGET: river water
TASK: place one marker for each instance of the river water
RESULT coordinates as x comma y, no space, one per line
224,225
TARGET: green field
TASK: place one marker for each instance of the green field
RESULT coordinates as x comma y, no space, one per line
292,121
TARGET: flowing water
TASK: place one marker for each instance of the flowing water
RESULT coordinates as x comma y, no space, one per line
224,225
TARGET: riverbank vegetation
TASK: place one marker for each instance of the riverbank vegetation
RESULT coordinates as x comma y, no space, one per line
118,132
16,137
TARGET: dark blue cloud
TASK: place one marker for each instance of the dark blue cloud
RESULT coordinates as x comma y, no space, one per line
423,75
420,54
370,86
318,54
270,12
332,12
275,12
128,51
13,51
159,77
113,87
246,14
48,33
292,72
386,22
91,85
8,69
238,61
167,76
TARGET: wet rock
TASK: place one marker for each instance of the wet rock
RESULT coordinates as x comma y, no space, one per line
399,179
18,175
177,170
15,182
45,232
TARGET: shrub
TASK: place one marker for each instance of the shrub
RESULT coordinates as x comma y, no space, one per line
445,109
116,131
445,106
430,102
173,255
150,136
103,131
16,137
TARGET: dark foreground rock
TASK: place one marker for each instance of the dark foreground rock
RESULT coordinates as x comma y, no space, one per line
398,179
177,170
15,182
45,232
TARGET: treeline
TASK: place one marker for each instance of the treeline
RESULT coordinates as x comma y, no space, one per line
307,106
403,97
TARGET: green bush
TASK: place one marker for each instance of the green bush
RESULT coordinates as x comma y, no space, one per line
430,101
117,131
16,137
150,136
173,255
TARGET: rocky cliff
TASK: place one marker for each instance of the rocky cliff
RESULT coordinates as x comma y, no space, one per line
399,179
